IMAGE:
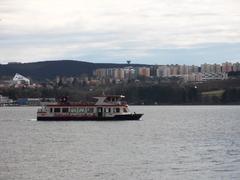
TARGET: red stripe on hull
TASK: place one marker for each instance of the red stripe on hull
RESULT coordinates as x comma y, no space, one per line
91,118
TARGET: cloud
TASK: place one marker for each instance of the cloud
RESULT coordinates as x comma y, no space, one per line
32,29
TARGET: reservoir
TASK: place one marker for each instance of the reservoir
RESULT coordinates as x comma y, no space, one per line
170,142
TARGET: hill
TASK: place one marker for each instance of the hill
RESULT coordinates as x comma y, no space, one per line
51,69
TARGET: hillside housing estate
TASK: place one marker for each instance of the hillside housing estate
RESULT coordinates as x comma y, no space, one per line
187,73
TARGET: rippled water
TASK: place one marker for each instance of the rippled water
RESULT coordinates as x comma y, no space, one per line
171,142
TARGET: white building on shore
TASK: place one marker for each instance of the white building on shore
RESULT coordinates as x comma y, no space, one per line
18,79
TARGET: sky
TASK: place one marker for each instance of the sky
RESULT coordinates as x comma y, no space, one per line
143,31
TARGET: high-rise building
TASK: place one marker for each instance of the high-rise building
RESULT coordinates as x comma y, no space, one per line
226,67
166,72
100,73
174,70
129,73
119,74
205,68
110,72
183,69
144,71
236,67
217,68
160,71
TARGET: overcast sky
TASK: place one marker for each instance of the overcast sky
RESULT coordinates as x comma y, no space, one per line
144,31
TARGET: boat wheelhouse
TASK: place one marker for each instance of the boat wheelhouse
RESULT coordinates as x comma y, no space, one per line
106,108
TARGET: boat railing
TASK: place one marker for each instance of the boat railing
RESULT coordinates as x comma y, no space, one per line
120,103
117,102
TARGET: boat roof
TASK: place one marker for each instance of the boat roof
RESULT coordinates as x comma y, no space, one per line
111,96
86,105
111,100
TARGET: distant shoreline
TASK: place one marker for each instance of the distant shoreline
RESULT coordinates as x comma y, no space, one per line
235,104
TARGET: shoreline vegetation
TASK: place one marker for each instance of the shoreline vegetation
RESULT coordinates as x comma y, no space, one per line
225,92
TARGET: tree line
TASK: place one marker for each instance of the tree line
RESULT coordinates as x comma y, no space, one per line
148,94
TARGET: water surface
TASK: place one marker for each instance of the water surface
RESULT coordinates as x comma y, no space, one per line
171,142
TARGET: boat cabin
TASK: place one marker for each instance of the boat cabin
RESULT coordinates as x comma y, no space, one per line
106,106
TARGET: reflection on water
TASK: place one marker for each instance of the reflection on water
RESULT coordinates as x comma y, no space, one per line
171,142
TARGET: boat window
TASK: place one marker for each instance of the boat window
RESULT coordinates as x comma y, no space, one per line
56,110
107,110
81,110
64,110
73,110
90,110
125,110
116,110
51,110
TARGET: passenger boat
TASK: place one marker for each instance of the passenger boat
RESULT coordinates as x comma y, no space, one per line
106,108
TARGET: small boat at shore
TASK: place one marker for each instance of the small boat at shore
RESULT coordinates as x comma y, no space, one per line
110,108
